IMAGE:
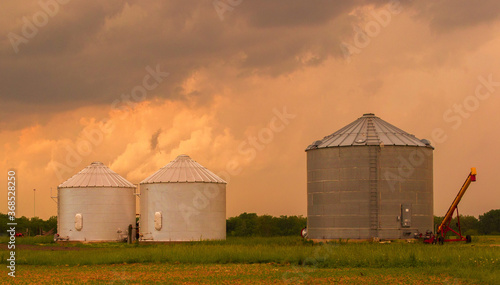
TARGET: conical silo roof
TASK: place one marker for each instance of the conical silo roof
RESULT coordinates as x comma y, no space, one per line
183,169
369,130
96,175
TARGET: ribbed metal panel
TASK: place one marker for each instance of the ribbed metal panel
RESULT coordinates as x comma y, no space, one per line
183,169
189,211
106,213
96,175
368,130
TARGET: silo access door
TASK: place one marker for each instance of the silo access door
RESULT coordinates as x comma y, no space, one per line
406,215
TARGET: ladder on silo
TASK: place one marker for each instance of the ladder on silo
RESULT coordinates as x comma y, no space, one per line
373,149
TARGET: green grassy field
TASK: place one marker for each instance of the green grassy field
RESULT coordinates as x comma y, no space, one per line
272,260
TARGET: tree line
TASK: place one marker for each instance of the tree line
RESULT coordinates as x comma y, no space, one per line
29,227
487,224
251,224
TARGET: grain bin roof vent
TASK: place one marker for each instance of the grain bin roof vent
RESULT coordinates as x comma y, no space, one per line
96,175
426,142
183,169
314,145
369,130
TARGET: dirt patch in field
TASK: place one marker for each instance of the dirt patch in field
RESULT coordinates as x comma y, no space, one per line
219,274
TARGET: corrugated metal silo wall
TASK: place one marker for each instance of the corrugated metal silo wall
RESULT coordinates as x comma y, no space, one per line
143,204
104,211
357,192
190,211
406,178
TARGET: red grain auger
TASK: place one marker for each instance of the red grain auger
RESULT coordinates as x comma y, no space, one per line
444,228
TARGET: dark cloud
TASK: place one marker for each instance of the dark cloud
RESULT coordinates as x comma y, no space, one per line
154,140
449,15
295,13
93,52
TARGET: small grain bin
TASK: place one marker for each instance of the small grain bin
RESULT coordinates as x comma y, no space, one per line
369,179
96,204
183,201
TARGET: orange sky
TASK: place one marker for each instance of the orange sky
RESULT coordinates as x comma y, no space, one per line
135,83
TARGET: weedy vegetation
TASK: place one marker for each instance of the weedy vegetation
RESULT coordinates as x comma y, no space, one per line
475,262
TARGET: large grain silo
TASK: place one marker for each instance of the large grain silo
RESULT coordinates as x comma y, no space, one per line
183,201
96,204
369,179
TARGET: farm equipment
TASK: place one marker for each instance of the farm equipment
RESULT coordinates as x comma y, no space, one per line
444,227
303,232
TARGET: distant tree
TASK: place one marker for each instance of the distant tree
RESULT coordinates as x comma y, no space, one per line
33,226
244,225
23,225
437,222
267,226
291,225
489,222
468,224
50,224
4,219
231,226
249,224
